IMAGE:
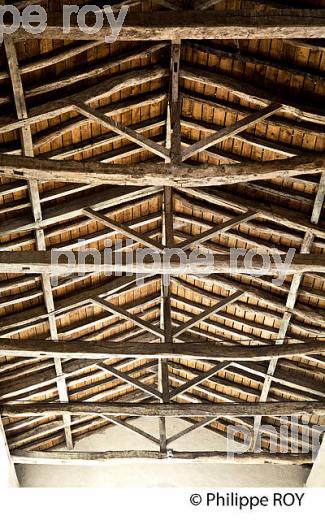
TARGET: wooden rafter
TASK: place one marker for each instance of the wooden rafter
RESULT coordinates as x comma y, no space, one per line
124,230
121,312
107,199
206,314
291,302
130,361
253,94
199,379
28,150
89,95
122,130
230,131
221,228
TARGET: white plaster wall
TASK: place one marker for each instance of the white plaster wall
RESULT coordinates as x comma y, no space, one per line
8,476
159,474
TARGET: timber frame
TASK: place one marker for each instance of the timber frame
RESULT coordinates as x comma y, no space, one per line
196,130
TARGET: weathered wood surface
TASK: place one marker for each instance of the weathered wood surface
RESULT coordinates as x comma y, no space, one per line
147,174
231,130
286,23
67,262
276,409
252,93
108,457
105,349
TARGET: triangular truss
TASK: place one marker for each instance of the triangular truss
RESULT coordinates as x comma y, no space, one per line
218,350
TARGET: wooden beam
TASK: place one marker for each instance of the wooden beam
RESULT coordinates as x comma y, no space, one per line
199,379
97,350
123,229
115,109
108,199
165,290
231,130
94,93
251,93
174,144
175,104
224,302
98,458
291,302
190,429
279,215
118,311
34,195
122,130
132,397
203,5
220,228
147,174
319,201
127,426
132,381
292,408
65,262
286,23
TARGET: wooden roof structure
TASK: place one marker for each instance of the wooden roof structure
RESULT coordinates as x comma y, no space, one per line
203,126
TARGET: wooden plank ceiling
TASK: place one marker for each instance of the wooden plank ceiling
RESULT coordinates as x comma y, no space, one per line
231,103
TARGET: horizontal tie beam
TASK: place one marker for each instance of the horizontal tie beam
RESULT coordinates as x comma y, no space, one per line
101,350
60,263
272,409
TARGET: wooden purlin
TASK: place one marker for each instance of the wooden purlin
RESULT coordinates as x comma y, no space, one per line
169,25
